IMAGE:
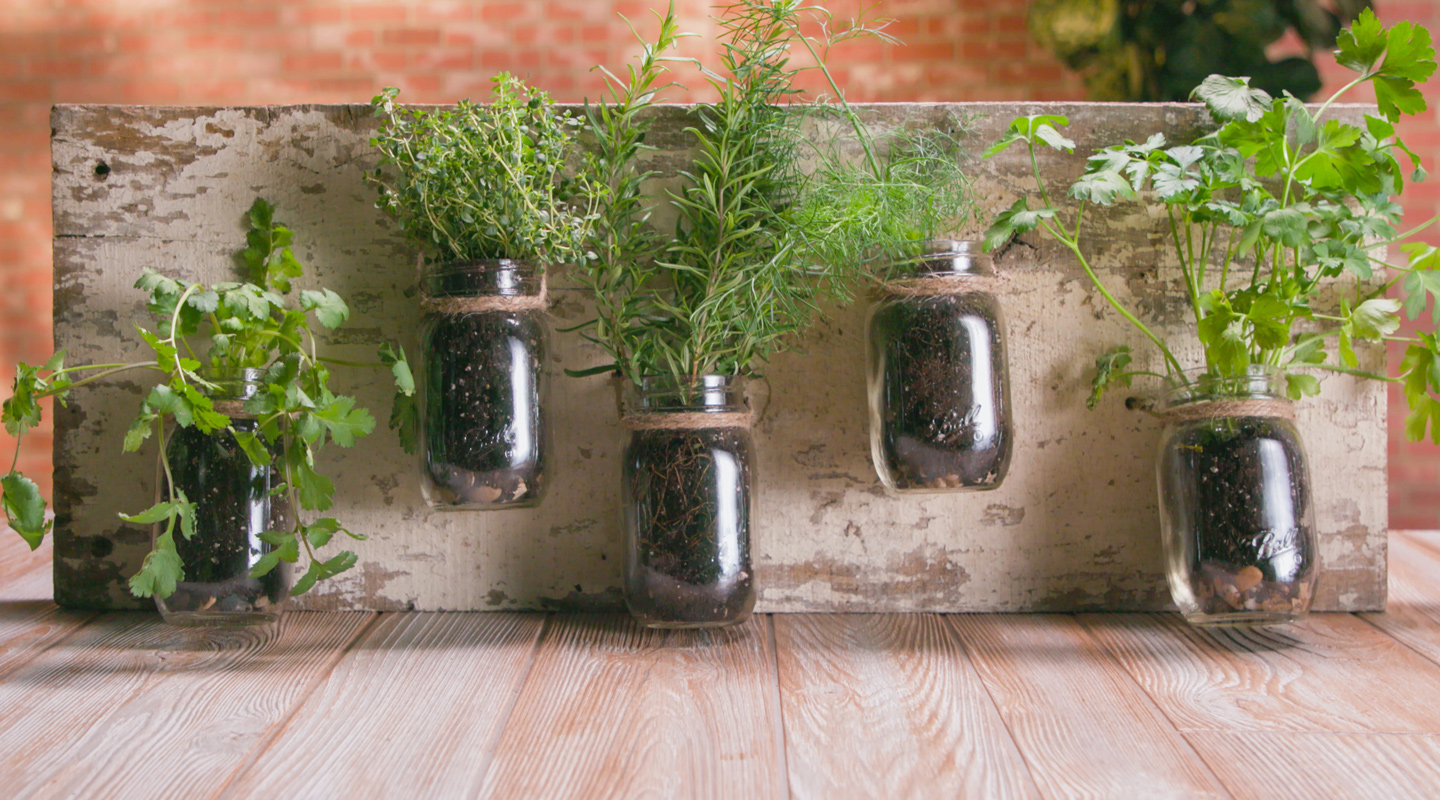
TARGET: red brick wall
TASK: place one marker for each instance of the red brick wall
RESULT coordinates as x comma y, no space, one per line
297,51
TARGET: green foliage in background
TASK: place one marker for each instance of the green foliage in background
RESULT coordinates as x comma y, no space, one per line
1157,50
204,340
1264,209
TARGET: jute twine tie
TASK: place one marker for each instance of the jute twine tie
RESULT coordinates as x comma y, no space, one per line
1218,409
686,420
923,287
492,302
233,409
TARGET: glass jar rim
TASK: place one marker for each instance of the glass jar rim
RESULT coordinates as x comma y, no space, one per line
504,277
1205,384
938,258
710,393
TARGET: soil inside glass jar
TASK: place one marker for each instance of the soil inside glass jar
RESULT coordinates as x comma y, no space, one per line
944,419
1240,483
690,521
232,508
484,431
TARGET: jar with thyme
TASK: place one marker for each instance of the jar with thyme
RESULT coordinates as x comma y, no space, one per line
1236,511
484,433
233,507
687,475
938,381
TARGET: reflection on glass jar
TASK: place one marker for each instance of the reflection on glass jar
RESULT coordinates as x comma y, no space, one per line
937,375
484,435
687,478
233,507
1236,511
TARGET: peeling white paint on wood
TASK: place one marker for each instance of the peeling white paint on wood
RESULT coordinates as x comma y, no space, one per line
1073,527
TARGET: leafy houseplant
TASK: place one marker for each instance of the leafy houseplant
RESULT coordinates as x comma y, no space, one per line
248,395
1263,211
482,190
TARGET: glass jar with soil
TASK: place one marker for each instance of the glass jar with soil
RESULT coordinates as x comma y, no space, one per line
233,506
937,375
484,434
687,487
1236,511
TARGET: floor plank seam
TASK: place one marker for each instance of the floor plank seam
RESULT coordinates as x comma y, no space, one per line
321,675
492,746
994,705
1155,707
783,738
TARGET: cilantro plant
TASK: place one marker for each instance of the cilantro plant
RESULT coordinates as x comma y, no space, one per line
1264,209
481,181
205,339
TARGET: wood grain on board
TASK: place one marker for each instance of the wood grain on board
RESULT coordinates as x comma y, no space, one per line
1321,766
130,707
1074,527
613,710
1329,672
1413,614
412,710
1083,726
30,621
889,706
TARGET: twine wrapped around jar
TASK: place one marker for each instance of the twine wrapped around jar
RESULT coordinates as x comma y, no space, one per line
1240,407
491,302
686,420
924,287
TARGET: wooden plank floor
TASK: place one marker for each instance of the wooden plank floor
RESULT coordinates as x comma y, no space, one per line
357,705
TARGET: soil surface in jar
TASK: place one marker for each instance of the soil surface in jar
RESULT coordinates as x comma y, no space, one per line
484,430
232,509
688,511
943,415
1239,485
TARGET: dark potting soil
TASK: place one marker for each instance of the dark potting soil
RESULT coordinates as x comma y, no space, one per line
1240,487
944,416
688,507
484,429
232,509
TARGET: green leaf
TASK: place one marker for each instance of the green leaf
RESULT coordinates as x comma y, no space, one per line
1109,369
315,490
321,530
1286,226
1232,98
394,355
405,421
24,508
160,572
254,449
1270,319
1376,317
153,514
345,422
1101,188
1044,127
1016,220
327,305
1298,386
308,580
164,400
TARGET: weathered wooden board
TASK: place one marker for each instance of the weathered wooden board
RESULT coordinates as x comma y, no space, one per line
1074,526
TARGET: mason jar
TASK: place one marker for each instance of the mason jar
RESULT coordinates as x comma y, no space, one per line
687,477
233,506
937,376
1236,512
483,427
